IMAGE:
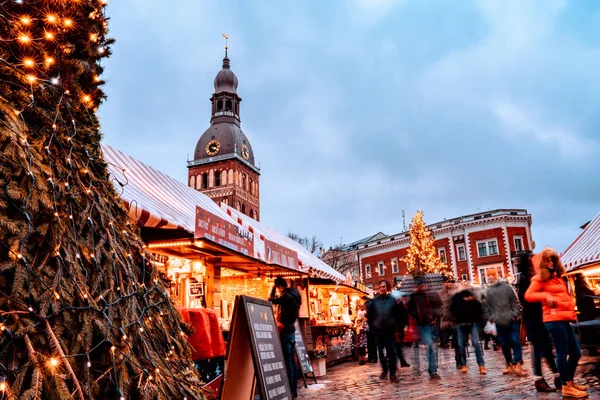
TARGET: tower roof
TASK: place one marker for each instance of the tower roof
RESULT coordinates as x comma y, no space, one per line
226,81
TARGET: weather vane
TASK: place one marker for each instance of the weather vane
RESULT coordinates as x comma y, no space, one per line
226,36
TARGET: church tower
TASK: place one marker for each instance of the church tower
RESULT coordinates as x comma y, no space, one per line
223,167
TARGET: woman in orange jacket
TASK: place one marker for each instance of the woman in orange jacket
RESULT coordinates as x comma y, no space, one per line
548,288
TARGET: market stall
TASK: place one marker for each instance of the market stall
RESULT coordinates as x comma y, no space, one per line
333,309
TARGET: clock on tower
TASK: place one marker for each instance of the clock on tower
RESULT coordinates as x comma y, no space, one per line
223,167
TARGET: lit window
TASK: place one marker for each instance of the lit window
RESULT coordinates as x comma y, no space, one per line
465,277
394,265
380,268
368,271
442,255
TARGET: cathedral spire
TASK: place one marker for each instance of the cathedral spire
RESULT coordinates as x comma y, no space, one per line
226,64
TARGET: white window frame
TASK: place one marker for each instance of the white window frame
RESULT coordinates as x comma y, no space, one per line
515,238
380,268
486,243
395,267
464,252
497,267
368,271
440,251
354,272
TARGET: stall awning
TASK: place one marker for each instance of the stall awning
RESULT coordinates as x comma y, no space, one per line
154,199
585,250
262,233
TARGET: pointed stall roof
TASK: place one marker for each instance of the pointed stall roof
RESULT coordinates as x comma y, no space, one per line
585,250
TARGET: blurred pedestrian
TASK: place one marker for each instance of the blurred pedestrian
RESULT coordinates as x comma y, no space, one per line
548,287
361,327
425,308
447,323
536,331
384,313
584,299
468,312
401,326
504,310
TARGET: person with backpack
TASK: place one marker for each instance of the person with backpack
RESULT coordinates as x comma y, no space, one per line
467,311
289,301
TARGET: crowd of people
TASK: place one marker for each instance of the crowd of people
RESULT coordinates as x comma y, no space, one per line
461,313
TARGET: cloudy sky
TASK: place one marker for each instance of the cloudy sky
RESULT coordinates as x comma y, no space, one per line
357,109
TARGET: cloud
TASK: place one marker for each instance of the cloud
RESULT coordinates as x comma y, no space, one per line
520,122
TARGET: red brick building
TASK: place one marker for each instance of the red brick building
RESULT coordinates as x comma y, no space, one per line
471,245
223,167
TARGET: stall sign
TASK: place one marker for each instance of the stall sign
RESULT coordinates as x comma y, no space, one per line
280,255
256,349
360,286
303,358
223,232
197,289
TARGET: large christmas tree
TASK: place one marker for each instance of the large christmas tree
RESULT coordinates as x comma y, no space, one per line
81,313
422,257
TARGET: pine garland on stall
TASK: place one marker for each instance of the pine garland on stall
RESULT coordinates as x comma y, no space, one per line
422,257
82,315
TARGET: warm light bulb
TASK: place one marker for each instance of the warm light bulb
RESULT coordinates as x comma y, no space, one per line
53,362
93,37
31,78
96,78
87,98
49,35
26,20
68,22
54,81
28,62
50,61
24,39
51,18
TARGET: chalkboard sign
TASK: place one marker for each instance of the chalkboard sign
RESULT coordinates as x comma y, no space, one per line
255,354
303,358
196,289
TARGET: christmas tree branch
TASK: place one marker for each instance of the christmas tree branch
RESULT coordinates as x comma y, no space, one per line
61,353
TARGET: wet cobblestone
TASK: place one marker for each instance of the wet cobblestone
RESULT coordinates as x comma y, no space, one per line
349,381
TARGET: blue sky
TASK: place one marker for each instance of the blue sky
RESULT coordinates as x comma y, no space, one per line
357,109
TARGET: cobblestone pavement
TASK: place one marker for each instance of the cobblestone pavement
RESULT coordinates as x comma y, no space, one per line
349,381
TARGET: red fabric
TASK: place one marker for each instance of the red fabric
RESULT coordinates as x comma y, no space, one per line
539,291
207,341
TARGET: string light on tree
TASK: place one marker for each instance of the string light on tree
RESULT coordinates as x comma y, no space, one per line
422,257
65,239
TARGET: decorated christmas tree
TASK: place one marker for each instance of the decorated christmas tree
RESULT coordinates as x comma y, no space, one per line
82,315
422,257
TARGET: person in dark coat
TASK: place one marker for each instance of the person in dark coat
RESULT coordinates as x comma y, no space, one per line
584,300
289,301
536,331
401,324
384,313
467,311
371,339
447,322
425,308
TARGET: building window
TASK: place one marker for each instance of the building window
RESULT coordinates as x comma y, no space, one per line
217,178
205,181
487,248
193,181
228,105
394,265
251,213
465,277
484,275
243,209
462,255
220,105
380,268
442,255
518,243
369,286
239,206
368,271
354,272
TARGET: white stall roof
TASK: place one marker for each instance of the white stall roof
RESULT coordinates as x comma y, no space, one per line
585,250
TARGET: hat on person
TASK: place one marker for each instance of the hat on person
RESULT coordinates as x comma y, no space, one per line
547,263
279,281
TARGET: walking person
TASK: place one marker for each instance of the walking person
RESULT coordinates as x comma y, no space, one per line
548,287
371,339
536,331
384,313
289,301
361,326
447,323
468,312
401,324
425,309
504,310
